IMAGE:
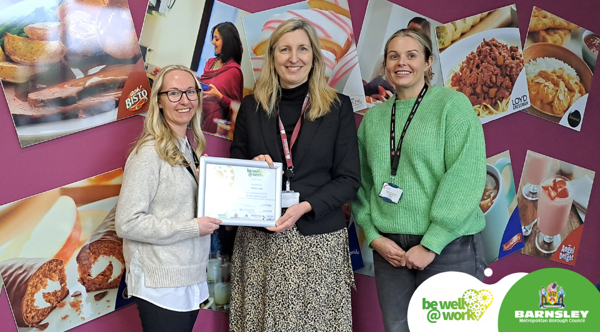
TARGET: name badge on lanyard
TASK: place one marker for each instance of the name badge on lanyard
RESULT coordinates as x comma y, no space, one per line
290,197
390,192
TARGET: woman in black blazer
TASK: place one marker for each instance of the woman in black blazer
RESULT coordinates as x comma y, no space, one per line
297,276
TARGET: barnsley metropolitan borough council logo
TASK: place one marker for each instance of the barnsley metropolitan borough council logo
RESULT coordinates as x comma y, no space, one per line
552,296
538,302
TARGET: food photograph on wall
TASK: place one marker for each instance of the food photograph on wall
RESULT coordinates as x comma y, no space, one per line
212,45
560,57
61,260
502,234
481,56
553,199
334,28
382,20
69,65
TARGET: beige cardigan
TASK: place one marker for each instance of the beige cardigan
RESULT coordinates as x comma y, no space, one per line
156,217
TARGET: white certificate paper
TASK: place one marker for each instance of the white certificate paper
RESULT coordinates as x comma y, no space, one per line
239,192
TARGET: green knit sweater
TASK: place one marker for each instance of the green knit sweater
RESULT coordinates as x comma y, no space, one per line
442,170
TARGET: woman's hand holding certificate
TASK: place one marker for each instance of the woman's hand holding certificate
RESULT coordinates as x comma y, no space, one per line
208,225
292,214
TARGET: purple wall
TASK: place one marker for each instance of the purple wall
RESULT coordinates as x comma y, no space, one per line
55,163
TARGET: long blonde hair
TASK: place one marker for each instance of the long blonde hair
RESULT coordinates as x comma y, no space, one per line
157,129
268,89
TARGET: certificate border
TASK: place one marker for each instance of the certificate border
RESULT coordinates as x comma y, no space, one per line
244,163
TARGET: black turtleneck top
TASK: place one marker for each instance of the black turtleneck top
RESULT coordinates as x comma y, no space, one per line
290,108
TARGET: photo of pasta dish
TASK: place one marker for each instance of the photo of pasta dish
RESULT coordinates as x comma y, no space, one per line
487,76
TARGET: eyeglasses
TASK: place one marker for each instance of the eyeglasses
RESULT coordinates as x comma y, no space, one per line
176,95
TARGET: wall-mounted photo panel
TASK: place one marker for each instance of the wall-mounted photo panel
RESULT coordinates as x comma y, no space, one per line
334,27
69,65
61,260
223,66
219,119
560,57
382,20
366,252
481,57
553,200
502,234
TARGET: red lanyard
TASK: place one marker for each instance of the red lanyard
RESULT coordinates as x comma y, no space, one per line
287,149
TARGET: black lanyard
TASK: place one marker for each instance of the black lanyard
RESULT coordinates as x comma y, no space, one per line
395,154
197,162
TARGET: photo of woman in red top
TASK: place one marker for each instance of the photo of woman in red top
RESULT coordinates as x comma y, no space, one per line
224,77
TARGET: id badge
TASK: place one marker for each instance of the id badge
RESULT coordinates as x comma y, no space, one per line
391,193
289,198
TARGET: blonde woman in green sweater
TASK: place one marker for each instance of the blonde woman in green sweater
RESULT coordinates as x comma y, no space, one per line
421,181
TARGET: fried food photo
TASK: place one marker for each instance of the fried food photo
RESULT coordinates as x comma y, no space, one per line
549,28
17,73
449,32
33,52
487,76
43,30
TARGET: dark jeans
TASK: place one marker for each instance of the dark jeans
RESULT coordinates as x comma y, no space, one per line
157,319
396,285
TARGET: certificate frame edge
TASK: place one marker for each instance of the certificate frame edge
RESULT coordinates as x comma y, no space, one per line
278,167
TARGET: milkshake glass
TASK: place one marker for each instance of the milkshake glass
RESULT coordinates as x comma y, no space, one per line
554,206
533,174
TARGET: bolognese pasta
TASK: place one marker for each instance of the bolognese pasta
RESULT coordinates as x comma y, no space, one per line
487,76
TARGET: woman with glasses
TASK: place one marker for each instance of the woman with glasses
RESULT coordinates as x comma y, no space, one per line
224,76
165,246
297,275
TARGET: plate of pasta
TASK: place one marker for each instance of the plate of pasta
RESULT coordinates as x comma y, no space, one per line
485,67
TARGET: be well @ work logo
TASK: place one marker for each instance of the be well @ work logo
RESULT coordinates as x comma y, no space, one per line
470,306
455,301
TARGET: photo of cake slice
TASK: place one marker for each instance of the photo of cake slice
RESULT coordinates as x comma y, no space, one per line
100,261
56,235
34,286
24,215
334,30
339,6
333,27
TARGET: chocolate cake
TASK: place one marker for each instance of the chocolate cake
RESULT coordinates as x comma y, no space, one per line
103,244
26,277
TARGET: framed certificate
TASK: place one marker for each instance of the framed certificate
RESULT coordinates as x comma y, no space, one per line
239,192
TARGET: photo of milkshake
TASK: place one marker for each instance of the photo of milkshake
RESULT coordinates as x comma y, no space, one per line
553,223
554,206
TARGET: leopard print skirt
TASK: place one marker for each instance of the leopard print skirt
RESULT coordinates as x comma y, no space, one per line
291,282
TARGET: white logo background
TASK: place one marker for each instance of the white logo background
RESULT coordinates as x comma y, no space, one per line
450,286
